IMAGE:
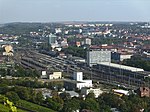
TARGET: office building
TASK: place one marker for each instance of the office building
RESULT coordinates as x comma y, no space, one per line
52,39
96,56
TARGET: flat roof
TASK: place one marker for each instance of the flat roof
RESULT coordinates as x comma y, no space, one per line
121,91
133,69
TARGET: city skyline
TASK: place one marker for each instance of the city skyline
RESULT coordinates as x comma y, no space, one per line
73,10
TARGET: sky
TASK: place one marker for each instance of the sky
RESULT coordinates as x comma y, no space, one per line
74,10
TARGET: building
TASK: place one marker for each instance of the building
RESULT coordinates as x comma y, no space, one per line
78,76
64,43
96,91
52,39
73,84
72,93
8,50
58,30
120,56
144,91
77,82
84,83
96,56
55,75
87,41
78,44
120,74
120,92
43,75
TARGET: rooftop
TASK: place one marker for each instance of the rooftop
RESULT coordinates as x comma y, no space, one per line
72,93
121,91
133,69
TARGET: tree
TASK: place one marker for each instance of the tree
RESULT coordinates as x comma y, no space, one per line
58,99
90,104
75,51
23,92
54,93
91,95
71,105
65,96
3,88
138,62
12,96
39,98
53,105
110,99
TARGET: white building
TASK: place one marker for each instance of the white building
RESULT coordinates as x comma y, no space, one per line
44,75
84,83
55,75
96,91
58,30
77,82
72,93
96,56
64,43
87,41
78,76
121,92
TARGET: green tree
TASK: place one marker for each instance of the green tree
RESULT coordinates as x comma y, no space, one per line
65,96
75,51
12,96
3,88
110,99
91,95
71,105
39,98
90,104
58,99
53,105
23,92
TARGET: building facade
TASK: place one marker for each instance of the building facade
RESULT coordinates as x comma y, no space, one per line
96,91
95,56
144,91
122,75
55,75
87,41
52,39
120,56
77,82
78,76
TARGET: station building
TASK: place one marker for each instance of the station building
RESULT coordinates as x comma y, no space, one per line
120,74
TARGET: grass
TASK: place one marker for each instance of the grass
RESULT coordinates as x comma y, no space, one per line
6,109
33,107
3,108
26,105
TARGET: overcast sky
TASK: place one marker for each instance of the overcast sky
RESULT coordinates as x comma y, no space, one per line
73,10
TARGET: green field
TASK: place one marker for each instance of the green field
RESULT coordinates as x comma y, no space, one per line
33,107
6,109
26,105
